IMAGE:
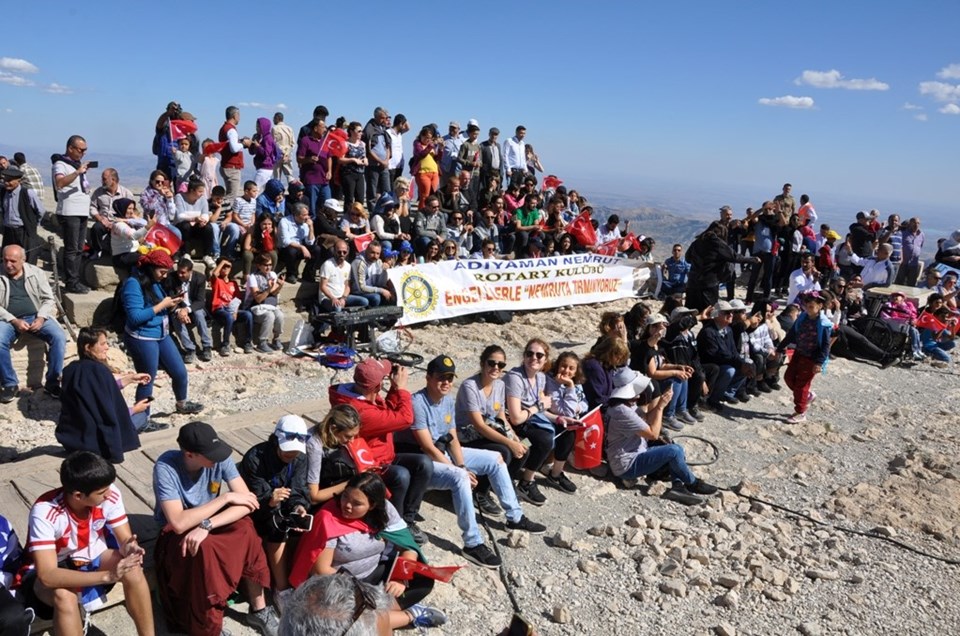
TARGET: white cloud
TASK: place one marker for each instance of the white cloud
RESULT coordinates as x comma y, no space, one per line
14,80
909,106
920,117
949,72
788,101
833,79
950,109
58,89
940,91
262,106
17,65
8,110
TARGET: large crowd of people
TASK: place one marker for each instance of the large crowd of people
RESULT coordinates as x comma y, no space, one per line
312,523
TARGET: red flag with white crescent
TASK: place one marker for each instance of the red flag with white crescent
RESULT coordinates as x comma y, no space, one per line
609,248
213,148
362,241
361,455
180,128
404,569
334,143
582,230
588,447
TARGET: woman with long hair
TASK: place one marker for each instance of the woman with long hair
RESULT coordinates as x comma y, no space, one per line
329,465
353,166
425,166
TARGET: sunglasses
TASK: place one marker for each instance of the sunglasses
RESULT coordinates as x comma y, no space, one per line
446,377
342,252
494,364
539,355
363,601
287,436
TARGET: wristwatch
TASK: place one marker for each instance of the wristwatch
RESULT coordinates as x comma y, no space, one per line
206,524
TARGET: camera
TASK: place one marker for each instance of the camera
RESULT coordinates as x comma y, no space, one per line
443,442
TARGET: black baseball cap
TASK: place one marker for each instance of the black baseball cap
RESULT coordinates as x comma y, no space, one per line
200,438
441,365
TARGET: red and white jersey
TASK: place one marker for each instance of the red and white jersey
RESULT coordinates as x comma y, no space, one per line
54,527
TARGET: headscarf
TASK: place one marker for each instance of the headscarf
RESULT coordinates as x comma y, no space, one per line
267,144
120,206
156,258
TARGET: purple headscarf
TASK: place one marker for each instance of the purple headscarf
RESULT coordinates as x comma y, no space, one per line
265,157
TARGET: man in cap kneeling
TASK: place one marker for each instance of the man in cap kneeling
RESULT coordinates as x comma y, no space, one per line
208,544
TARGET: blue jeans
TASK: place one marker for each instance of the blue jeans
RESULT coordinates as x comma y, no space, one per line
243,316
728,383
50,332
654,458
679,400
198,319
231,238
351,301
151,355
316,195
373,299
939,350
490,464
456,480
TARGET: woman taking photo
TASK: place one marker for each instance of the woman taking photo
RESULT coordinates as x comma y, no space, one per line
94,416
147,329
360,532
647,358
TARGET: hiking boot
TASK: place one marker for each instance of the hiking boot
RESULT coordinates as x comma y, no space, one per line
264,621
680,494
189,408
562,482
797,418
224,350
418,535
763,387
697,414
263,347
523,523
423,617
248,347
701,487
277,345
485,504
482,555
774,383
190,357
9,393
742,396
52,388
672,423
78,288
529,492
205,354
754,392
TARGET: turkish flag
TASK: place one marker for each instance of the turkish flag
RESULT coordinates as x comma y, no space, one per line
161,236
361,455
582,230
588,447
362,241
213,148
180,128
552,182
609,248
334,143
404,569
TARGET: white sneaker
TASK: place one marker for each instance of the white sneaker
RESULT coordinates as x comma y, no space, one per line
209,262
797,418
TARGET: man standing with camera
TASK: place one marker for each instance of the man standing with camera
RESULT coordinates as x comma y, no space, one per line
73,207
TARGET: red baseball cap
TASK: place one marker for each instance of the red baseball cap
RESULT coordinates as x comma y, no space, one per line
370,373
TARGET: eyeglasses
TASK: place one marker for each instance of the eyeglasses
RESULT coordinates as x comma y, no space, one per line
159,181
458,218
539,355
363,601
496,364
287,436
79,149
450,248
342,252
446,377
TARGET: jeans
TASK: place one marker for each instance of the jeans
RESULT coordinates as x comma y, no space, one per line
231,235
655,457
408,478
50,332
351,301
224,316
151,355
269,320
316,195
728,382
378,182
514,464
767,262
420,244
74,236
457,481
938,350
198,319
490,464
373,299
209,236
679,400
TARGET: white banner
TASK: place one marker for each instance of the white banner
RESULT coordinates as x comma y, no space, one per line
455,288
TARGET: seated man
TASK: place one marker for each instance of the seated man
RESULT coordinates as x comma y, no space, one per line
208,544
297,244
368,277
406,474
456,468
191,312
335,282
27,304
877,271
193,221
72,529
725,368
803,280
675,270
429,225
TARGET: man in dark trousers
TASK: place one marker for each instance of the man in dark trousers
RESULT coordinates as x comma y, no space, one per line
191,312
22,211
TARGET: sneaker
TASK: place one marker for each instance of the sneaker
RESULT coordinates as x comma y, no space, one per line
482,555
529,492
225,350
680,494
811,397
52,389
248,347
697,414
210,263
797,418
281,598
152,426
418,535
629,483
672,423
9,393
276,345
701,487
293,280
774,384
763,387
424,617
526,525
190,357
79,288
715,407
562,482
264,621
686,417
189,408
263,347
483,502
742,396
205,354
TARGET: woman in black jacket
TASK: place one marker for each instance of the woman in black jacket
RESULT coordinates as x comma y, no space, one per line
709,255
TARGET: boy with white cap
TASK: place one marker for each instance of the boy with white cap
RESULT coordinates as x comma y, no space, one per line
275,471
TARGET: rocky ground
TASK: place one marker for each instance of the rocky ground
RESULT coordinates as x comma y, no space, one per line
878,455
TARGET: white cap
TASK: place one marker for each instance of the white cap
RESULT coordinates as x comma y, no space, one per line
628,384
291,432
334,204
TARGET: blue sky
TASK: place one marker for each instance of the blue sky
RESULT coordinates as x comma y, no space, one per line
617,95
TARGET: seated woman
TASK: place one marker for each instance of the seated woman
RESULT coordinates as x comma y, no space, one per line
360,532
432,252
329,465
648,358
127,231
633,441
262,240
604,359
93,414
225,301
569,403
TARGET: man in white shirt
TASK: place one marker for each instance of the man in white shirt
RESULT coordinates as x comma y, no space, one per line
395,135
804,279
335,282
515,156
73,208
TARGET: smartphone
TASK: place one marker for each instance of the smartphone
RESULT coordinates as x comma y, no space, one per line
149,398
93,164
304,523
519,626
